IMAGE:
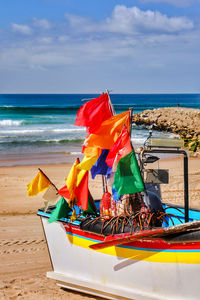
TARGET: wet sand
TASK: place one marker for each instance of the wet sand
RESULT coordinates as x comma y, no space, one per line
23,249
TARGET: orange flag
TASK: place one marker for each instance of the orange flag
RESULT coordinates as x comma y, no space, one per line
108,132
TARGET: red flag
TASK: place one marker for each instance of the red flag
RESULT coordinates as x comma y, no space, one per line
93,113
64,192
81,192
120,148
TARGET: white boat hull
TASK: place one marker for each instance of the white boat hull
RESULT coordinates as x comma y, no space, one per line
118,272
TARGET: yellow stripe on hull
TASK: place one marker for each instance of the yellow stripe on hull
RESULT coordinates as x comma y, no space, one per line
162,256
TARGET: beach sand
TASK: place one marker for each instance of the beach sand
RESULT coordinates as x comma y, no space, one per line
23,249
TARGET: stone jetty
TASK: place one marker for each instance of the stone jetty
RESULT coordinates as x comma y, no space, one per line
183,121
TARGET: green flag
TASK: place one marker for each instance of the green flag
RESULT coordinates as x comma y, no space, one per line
128,179
61,210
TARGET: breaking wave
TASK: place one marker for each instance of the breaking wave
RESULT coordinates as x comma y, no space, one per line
11,122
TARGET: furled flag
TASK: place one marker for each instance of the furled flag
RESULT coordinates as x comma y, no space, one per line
120,148
94,112
128,179
61,210
39,184
108,132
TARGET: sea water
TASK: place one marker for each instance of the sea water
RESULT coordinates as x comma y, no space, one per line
39,128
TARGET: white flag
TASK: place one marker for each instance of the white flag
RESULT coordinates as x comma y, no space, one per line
50,196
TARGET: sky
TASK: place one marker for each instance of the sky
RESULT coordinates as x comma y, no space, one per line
87,46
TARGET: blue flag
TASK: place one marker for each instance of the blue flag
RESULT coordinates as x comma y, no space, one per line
100,167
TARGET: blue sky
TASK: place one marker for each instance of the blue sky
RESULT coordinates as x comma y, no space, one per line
86,46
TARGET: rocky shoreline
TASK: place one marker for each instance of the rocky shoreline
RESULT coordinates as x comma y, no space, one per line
183,121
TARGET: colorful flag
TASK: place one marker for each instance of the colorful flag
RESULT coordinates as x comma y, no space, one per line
50,196
64,192
71,182
82,192
76,188
39,184
120,148
128,179
108,132
61,210
87,162
93,113
91,209
100,167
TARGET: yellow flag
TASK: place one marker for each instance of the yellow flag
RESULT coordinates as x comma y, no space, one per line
72,177
91,156
75,176
38,184
87,162
81,174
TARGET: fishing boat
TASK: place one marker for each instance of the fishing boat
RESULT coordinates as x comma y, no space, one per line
111,258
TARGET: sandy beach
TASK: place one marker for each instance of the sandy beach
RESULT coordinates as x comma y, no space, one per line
24,254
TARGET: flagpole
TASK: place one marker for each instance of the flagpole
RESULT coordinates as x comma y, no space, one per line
130,115
130,125
48,178
47,204
113,112
110,103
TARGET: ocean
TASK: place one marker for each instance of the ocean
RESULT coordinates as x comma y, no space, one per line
38,128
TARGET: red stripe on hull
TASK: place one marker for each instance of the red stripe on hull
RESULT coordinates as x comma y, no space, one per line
154,244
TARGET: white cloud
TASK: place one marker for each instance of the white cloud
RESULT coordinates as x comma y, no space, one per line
129,45
81,24
132,20
179,3
41,23
45,40
63,38
22,29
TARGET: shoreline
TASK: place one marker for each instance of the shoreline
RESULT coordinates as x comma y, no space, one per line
45,158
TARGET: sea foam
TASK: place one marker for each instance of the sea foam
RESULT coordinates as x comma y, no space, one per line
11,123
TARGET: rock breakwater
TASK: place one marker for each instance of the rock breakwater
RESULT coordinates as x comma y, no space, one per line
183,121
